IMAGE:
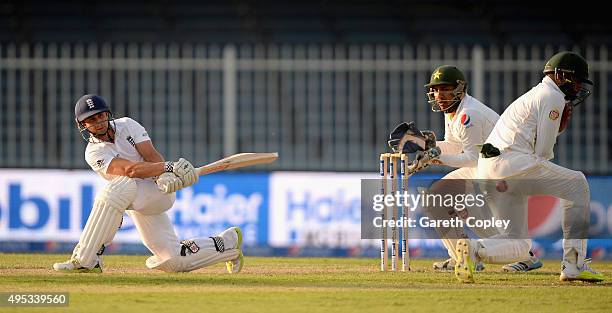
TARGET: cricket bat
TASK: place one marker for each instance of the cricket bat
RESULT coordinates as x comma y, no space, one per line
237,161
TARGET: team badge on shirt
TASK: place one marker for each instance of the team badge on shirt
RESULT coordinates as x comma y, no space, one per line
554,114
465,120
131,141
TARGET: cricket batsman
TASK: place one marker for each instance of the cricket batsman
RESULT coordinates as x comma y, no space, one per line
142,184
517,154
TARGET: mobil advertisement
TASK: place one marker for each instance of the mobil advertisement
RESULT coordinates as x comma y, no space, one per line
41,205
53,205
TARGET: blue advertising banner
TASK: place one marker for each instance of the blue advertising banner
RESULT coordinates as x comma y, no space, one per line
283,213
53,205
219,201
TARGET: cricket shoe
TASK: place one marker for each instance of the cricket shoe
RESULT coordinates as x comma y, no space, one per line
446,265
73,266
449,265
235,266
466,259
530,264
570,272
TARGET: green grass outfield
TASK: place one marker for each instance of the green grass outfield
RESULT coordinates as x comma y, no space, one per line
300,285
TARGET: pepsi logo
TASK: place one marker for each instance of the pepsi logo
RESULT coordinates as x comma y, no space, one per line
465,120
544,215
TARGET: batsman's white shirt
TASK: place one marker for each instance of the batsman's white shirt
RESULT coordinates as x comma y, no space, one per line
148,210
99,154
469,126
527,131
128,133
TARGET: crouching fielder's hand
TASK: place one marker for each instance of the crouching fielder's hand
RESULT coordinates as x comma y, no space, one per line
169,182
184,170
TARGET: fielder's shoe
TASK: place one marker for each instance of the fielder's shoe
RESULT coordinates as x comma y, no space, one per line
570,272
449,265
235,266
533,263
446,265
466,258
73,266
479,267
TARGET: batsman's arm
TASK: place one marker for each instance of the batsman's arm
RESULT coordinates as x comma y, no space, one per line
152,166
148,152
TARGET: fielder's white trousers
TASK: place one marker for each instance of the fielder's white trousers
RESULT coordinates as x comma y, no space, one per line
459,181
543,178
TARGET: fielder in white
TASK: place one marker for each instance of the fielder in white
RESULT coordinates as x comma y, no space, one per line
141,184
467,124
517,155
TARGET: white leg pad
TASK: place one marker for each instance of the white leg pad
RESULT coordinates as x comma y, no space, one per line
502,251
104,219
206,255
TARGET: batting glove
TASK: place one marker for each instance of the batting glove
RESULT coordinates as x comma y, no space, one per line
184,170
169,182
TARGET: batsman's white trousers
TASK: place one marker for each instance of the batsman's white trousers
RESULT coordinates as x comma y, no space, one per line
543,178
148,212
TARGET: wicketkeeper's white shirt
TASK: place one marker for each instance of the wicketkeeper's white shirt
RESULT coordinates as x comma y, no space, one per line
470,126
128,133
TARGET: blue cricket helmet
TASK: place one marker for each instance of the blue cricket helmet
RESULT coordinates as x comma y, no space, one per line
89,105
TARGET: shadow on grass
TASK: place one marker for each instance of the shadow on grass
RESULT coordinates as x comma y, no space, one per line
371,281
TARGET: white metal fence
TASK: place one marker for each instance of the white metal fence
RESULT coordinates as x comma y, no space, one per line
322,107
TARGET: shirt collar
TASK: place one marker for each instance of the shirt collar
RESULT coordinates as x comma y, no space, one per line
551,83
